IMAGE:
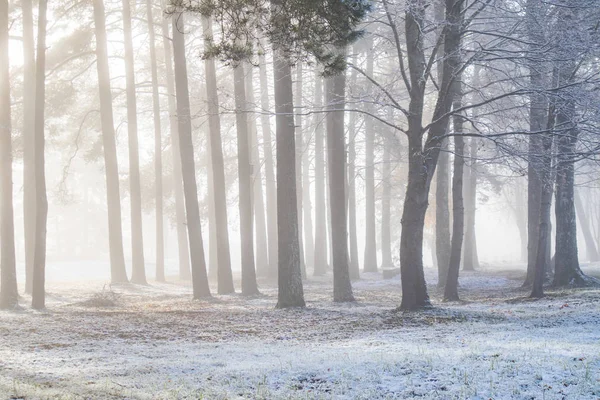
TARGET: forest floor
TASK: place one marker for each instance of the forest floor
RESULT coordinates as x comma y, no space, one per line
154,342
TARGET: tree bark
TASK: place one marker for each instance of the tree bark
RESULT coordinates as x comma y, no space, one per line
249,286
115,234
370,261
138,269
158,177
336,150
38,292
386,198
458,211
352,230
309,245
271,187
28,142
321,237
9,295
262,251
291,292
224,274
182,237
299,152
186,149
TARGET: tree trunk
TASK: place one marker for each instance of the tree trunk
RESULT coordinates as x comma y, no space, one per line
249,286
352,231
590,244
9,295
186,149
291,292
115,234
309,245
262,251
386,198
336,150
28,142
458,211
321,237
213,251
224,274
182,237
138,271
158,178
38,292
271,194
442,215
370,262
299,152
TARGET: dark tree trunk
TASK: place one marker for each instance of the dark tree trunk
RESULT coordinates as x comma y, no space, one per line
321,237
590,244
299,152
249,286
182,237
138,269
158,178
28,142
471,256
186,149
115,234
352,229
458,211
38,292
9,295
224,274
213,251
309,245
271,187
291,292
336,150
262,251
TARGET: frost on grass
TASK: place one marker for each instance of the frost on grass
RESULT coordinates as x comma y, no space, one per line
156,343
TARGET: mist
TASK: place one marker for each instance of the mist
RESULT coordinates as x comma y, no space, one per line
302,199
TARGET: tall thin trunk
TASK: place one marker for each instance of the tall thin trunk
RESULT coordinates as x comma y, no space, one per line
291,291
224,274
458,211
352,231
158,178
262,251
38,293
271,187
309,245
321,237
138,269
113,197
299,151
182,237
386,197
28,142
370,261
336,150
590,244
186,149
249,286
9,295
213,251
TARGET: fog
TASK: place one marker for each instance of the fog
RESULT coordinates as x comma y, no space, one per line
265,200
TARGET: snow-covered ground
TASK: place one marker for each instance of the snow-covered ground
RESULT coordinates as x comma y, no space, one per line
156,343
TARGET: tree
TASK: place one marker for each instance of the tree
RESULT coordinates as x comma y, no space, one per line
182,239
299,151
386,197
370,261
115,235
38,295
321,241
28,142
138,271
186,149
249,286
336,156
352,231
158,175
224,274
9,295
